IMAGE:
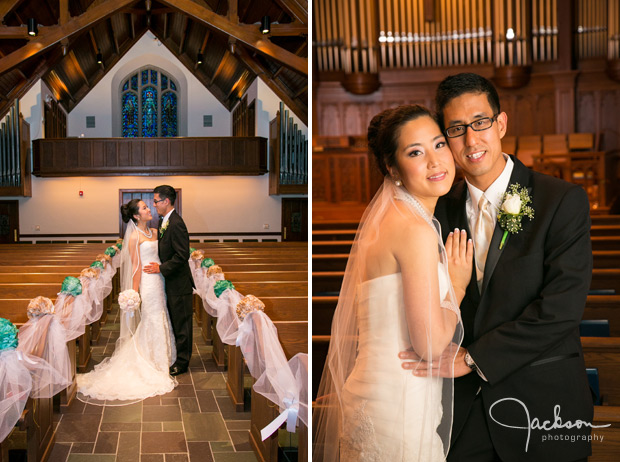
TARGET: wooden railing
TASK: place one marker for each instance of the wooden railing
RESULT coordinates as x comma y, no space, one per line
288,171
14,154
152,156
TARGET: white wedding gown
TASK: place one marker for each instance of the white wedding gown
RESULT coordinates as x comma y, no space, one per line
387,409
139,367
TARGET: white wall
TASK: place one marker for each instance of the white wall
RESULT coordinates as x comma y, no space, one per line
103,101
209,204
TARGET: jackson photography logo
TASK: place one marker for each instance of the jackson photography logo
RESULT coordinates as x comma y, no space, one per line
548,425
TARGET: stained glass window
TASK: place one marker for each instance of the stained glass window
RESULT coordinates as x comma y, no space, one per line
149,104
130,115
149,112
169,114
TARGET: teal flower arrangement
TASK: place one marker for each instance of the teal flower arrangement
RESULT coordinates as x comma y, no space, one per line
71,286
207,262
8,334
221,286
111,251
119,246
97,264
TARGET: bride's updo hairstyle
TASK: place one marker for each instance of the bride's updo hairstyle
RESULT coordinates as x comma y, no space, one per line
130,209
384,132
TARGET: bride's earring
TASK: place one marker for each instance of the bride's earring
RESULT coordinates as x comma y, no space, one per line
397,182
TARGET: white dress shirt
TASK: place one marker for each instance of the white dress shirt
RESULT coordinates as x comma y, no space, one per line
165,220
494,195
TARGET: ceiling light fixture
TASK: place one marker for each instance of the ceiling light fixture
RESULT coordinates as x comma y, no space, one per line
32,27
99,58
200,58
265,25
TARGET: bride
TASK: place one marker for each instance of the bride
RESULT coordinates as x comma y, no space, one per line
401,290
139,366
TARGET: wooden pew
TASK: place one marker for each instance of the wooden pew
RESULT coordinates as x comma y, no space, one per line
607,448
16,311
294,340
331,281
36,428
282,311
260,290
604,354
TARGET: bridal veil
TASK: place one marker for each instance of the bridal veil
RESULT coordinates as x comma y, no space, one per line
328,413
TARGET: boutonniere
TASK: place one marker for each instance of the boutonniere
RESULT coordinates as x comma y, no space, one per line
512,210
163,229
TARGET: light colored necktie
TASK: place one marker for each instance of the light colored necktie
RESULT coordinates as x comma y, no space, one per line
483,233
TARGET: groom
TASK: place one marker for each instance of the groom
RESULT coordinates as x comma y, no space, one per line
173,241
521,356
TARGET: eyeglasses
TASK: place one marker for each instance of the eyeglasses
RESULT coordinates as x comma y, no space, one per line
157,202
477,125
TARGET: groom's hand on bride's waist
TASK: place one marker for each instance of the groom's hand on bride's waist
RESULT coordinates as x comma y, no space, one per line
440,367
151,268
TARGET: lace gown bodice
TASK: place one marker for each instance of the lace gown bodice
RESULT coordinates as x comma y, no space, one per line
383,404
138,369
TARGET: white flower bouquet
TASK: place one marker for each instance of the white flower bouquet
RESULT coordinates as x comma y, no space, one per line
129,300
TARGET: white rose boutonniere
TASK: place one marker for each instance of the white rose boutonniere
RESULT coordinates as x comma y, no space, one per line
163,229
512,210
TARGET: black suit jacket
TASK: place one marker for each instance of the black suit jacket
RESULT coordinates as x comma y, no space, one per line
522,328
174,256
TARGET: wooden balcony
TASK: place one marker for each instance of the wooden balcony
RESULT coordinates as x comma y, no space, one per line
149,156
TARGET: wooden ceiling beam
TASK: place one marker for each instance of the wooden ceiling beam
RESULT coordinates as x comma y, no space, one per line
249,35
220,66
297,9
274,85
281,68
204,45
6,7
289,30
166,25
75,62
233,15
132,26
54,35
15,32
93,42
114,35
183,34
189,63
241,79
301,92
64,14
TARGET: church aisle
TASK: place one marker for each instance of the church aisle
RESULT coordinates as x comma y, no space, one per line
195,422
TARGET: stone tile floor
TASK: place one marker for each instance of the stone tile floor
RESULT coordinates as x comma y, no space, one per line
195,422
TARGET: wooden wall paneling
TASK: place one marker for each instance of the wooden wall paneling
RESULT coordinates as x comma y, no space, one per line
320,178
96,157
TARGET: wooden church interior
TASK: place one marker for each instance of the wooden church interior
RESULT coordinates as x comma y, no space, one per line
251,152
556,65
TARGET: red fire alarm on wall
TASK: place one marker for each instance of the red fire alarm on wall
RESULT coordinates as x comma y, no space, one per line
81,193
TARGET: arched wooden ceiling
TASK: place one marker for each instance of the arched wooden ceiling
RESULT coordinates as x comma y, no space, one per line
226,32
